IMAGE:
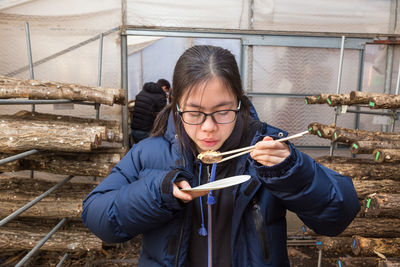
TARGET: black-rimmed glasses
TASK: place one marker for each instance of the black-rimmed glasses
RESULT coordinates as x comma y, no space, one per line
198,117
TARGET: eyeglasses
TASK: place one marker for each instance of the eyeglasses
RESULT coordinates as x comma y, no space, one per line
198,117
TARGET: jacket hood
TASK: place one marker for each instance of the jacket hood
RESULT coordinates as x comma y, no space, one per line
153,88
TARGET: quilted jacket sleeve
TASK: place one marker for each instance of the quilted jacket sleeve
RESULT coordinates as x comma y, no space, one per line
325,200
130,200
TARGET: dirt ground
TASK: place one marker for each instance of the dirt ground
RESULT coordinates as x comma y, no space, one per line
127,254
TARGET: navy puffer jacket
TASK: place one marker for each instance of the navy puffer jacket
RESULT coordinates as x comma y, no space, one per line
136,198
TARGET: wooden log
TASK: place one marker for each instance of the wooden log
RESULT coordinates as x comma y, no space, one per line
367,187
358,261
357,168
339,100
64,202
322,130
387,102
82,164
63,240
11,122
341,245
348,136
18,188
316,99
368,147
111,131
387,155
363,97
389,262
373,246
382,205
33,89
367,227
17,136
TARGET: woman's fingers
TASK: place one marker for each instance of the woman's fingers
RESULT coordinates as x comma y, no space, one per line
178,193
269,152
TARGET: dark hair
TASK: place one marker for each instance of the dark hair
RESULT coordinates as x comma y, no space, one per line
163,82
197,65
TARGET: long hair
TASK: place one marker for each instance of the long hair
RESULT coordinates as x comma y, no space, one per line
195,66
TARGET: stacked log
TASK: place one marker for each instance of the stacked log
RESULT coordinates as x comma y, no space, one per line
374,233
73,237
97,163
384,147
25,131
33,224
33,89
372,100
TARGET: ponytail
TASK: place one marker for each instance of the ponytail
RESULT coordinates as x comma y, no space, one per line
161,121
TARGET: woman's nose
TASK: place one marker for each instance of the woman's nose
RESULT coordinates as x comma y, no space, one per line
209,124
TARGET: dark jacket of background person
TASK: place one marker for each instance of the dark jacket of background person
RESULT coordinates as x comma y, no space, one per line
136,198
151,100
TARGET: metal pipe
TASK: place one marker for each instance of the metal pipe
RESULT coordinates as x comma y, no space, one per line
371,112
41,243
28,45
18,156
388,76
100,66
278,94
124,85
62,260
319,257
359,85
338,86
52,101
67,50
33,202
32,76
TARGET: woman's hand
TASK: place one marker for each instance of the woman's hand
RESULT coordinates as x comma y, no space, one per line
269,152
186,196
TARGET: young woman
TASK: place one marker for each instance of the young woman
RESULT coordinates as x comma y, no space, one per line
242,225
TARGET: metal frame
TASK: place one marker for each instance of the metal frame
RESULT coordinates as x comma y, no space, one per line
34,151
259,38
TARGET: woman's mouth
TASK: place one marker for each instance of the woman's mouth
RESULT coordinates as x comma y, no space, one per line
209,143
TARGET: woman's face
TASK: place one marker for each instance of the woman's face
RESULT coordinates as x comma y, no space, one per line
209,97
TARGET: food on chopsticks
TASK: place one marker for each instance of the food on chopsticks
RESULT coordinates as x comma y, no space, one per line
210,156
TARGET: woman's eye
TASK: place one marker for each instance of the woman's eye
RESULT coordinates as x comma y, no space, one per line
194,114
223,112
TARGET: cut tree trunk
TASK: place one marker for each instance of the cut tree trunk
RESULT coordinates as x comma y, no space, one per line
322,130
372,246
367,187
358,261
348,136
368,147
389,262
82,164
63,240
22,136
64,202
364,97
317,99
387,102
340,245
33,89
361,168
387,155
368,227
110,130
382,205
339,100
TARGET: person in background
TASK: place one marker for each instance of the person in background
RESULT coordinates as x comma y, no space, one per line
241,225
165,86
148,103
